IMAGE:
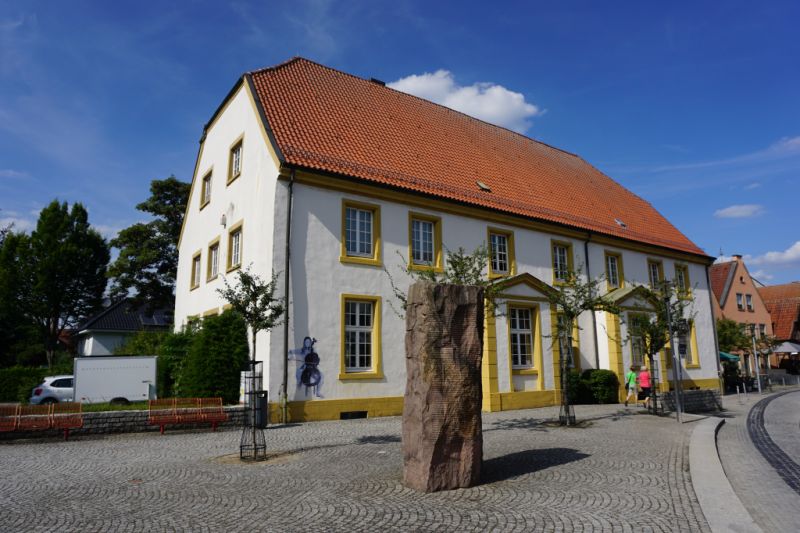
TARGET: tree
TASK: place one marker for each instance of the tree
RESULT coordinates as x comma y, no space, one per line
19,340
572,298
64,273
731,336
148,257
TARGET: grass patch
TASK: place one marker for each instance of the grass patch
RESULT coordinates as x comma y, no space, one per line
98,407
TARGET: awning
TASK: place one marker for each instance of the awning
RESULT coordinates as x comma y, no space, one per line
787,347
725,356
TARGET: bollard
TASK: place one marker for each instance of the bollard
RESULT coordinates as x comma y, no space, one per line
784,381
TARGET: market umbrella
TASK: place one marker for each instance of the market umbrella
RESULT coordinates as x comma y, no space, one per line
725,356
787,347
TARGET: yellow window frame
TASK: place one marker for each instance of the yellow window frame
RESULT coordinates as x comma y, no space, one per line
620,270
238,227
660,265
512,258
211,245
205,199
194,278
438,259
375,260
377,362
570,264
536,339
686,293
238,143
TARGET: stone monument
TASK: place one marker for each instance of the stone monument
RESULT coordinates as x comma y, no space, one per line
442,435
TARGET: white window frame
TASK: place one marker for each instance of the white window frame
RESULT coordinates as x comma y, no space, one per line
612,269
740,301
748,299
355,236
517,334
498,247
560,262
357,330
213,260
423,242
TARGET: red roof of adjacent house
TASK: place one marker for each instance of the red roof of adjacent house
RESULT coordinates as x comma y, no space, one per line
783,303
323,119
719,273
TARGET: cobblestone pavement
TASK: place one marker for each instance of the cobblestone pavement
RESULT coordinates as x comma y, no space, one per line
770,501
780,422
618,471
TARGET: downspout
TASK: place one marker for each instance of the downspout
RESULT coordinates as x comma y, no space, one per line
594,315
714,329
287,263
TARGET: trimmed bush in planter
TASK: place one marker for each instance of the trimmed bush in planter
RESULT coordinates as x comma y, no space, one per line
603,384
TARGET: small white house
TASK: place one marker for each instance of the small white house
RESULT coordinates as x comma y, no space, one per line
104,332
331,180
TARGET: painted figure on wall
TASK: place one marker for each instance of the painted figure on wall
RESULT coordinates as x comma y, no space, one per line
308,374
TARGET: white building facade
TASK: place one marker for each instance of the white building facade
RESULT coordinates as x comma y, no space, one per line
350,238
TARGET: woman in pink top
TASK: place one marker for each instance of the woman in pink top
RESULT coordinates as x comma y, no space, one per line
644,385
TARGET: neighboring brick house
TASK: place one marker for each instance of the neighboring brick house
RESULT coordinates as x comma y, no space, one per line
783,302
738,298
354,179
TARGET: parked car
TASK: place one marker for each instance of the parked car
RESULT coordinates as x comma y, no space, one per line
53,389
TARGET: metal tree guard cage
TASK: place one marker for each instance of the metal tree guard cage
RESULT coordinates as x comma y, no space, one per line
566,416
252,444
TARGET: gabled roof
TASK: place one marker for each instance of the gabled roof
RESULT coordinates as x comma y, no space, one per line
329,121
622,294
783,304
123,315
721,276
526,279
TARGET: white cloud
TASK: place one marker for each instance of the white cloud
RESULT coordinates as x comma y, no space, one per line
740,211
762,275
751,186
788,257
484,100
18,223
10,173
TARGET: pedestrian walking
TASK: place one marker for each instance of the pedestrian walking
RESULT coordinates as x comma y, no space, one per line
630,385
644,385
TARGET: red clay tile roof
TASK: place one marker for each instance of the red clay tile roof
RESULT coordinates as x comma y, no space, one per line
323,119
783,304
719,272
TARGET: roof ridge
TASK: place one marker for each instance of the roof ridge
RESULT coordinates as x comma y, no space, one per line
470,117
91,320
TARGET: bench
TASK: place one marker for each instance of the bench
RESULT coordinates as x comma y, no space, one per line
186,411
61,416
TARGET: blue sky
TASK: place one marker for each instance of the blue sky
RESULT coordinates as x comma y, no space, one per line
692,105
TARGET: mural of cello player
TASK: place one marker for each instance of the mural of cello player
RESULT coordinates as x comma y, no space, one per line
308,373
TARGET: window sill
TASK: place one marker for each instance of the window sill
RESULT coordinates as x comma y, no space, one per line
232,179
202,205
212,278
233,267
426,268
498,275
353,260
692,365
193,287
525,372
346,376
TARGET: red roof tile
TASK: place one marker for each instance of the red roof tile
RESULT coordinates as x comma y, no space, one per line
719,272
783,303
326,120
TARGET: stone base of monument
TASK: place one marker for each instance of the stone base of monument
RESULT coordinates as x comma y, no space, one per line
442,435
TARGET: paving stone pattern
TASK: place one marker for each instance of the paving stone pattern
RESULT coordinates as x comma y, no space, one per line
620,470
770,502
788,469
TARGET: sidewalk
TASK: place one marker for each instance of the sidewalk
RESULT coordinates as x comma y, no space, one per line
619,470
770,501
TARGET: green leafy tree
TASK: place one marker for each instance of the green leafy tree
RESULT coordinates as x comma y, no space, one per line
148,251
64,274
19,339
216,356
653,328
731,336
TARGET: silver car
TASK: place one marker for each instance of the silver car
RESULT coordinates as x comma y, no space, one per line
53,389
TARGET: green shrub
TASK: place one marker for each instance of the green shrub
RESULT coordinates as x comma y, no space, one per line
171,349
16,382
217,353
579,391
603,384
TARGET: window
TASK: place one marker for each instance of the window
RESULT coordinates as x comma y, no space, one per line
749,300
635,323
212,269
360,233
501,253
562,261
235,161
682,281
360,337
762,330
687,341
655,273
205,191
235,247
425,241
614,277
195,270
521,337
739,301
62,383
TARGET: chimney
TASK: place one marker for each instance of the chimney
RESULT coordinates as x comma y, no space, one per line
737,257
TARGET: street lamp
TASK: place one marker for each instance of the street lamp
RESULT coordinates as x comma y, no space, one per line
755,356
